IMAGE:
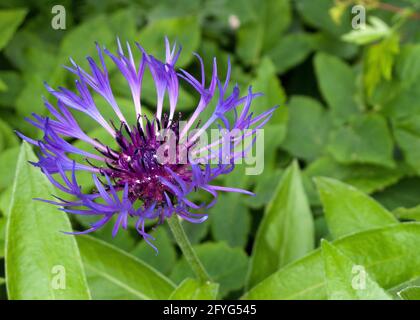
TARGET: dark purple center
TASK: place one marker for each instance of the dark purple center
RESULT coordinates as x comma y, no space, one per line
137,163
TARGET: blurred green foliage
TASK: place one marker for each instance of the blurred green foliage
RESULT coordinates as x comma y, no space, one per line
349,110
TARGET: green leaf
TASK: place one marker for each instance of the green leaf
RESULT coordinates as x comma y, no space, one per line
367,178
345,280
13,82
7,169
327,43
379,62
261,33
2,280
366,139
2,235
226,266
290,50
10,19
307,129
408,213
230,220
316,14
123,269
376,30
79,42
3,86
196,232
407,135
349,210
286,232
191,289
410,293
8,137
405,193
408,64
337,83
265,188
5,197
165,259
267,82
126,17
103,289
35,244
184,30
391,255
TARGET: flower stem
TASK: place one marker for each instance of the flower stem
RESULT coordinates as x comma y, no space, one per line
187,249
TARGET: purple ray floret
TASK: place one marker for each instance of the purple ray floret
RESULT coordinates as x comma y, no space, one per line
128,179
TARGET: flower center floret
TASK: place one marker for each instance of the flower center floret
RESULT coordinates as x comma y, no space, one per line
137,161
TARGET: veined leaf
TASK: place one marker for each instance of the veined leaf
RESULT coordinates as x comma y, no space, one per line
365,139
349,210
192,289
2,235
391,255
347,280
41,261
410,293
123,269
340,95
286,232
308,128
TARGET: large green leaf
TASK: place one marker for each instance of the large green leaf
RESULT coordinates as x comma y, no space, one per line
365,139
2,235
192,289
104,289
339,94
226,266
344,281
286,232
349,210
123,269
10,19
391,255
41,261
307,129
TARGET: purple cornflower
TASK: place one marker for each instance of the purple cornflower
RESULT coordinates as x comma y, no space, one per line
130,182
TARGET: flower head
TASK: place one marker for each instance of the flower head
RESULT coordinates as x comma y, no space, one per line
129,177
